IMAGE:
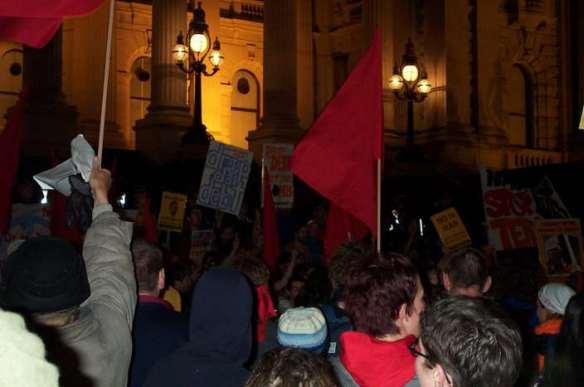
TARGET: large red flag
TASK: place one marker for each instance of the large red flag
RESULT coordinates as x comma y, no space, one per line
271,240
35,22
338,155
10,140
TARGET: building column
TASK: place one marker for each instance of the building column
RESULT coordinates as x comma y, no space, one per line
280,117
50,122
168,116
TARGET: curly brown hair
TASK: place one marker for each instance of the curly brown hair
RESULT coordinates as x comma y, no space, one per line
345,260
254,269
375,293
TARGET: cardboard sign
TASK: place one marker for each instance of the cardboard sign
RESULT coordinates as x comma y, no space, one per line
224,178
172,211
276,159
451,229
560,246
581,126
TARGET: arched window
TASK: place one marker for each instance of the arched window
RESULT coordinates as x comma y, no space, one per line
519,105
139,89
245,107
10,80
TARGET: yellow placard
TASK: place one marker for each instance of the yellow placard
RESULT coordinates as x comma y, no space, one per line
581,127
451,230
172,211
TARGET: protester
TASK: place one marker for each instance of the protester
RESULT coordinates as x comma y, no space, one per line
346,259
384,300
467,342
158,329
181,278
84,308
465,273
552,300
288,298
564,366
220,337
303,328
292,367
22,356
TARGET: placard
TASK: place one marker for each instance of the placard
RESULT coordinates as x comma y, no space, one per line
451,229
560,246
276,159
224,178
172,211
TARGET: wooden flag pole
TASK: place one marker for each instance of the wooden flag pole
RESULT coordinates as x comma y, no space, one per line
379,206
108,57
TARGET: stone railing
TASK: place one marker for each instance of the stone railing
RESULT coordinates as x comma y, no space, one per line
251,10
518,157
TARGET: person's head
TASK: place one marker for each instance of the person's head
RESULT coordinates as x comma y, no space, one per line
221,328
254,269
303,328
385,297
149,265
552,300
181,277
345,260
291,367
45,277
465,273
295,288
195,217
467,342
301,233
317,288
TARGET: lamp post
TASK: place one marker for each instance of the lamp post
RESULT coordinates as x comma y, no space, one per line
410,82
190,58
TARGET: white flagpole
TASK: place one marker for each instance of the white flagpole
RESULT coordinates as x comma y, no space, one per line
108,56
379,206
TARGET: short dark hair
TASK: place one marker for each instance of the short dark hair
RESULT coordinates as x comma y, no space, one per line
375,293
466,268
148,261
345,259
292,367
473,341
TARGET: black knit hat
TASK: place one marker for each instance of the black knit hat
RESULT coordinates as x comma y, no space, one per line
44,275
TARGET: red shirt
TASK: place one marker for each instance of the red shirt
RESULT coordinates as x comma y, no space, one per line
375,363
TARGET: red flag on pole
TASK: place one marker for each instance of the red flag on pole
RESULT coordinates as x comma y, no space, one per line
35,22
338,156
270,226
10,140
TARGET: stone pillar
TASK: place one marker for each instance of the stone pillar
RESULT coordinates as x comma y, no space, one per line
168,116
280,119
50,121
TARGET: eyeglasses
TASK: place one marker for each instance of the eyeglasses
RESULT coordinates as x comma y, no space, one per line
413,347
414,350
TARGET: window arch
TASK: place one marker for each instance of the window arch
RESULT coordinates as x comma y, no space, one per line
520,107
139,88
245,107
10,80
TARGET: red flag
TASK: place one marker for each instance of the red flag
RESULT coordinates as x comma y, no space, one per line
271,240
150,229
10,140
35,22
340,228
338,156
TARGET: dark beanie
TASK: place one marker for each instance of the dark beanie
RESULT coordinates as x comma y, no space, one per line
44,275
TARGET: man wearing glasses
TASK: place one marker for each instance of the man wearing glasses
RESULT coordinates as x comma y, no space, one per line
466,342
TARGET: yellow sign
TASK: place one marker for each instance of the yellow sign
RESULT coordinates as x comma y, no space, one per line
451,230
172,211
581,127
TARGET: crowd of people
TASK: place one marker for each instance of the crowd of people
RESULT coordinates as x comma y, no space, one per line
124,310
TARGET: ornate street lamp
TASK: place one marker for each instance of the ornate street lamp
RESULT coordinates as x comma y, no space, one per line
190,58
410,82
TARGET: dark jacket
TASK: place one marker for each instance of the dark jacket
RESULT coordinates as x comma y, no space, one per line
220,336
337,322
158,332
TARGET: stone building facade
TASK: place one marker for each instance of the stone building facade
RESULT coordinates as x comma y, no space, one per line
506,75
